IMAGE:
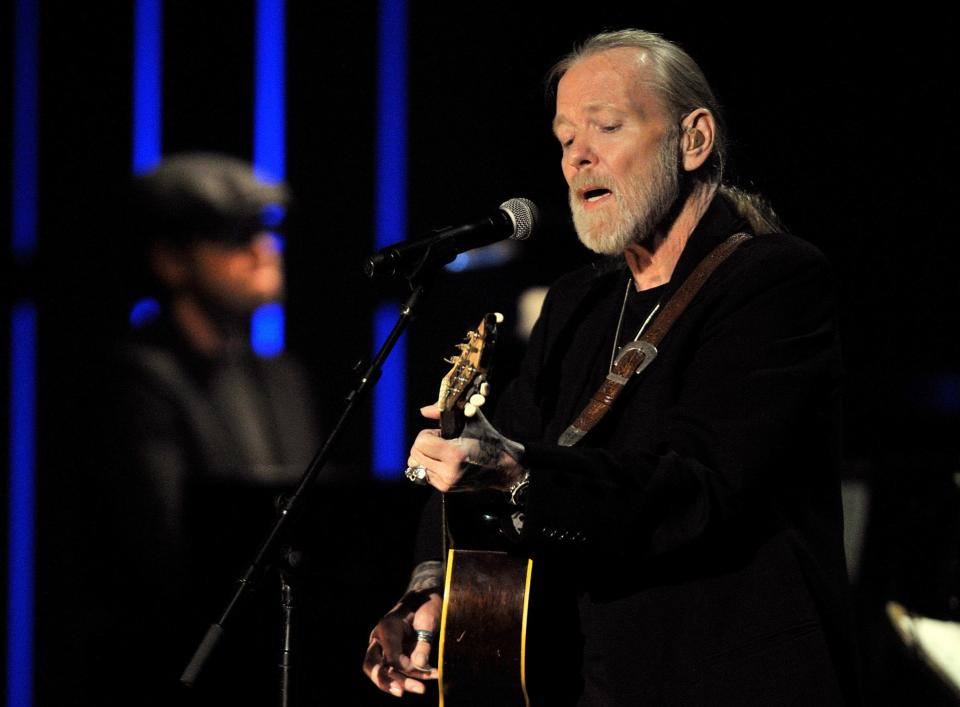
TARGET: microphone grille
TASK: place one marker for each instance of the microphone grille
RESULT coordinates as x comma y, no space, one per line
525,215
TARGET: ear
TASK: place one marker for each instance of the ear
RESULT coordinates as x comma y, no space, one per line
698,129
169,264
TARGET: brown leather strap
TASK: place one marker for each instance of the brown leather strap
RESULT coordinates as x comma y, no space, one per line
637,355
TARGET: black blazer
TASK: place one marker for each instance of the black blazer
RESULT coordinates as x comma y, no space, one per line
696,533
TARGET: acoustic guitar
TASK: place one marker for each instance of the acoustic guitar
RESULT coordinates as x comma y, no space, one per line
482,658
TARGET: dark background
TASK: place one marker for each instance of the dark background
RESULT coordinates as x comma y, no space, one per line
845,124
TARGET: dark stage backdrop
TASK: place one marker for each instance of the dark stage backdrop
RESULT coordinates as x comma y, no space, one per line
846,127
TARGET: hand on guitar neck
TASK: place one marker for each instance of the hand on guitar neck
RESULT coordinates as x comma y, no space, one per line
467,453
480,458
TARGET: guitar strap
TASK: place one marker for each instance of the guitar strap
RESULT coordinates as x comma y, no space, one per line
637,355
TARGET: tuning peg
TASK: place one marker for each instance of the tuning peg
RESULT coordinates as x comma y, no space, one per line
477,400
498,317
484,389
469,410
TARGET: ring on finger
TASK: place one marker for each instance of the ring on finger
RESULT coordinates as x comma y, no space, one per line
416,474
424,636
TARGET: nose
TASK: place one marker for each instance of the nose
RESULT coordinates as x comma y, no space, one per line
579,155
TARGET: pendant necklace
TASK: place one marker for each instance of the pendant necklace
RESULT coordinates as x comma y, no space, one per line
623,309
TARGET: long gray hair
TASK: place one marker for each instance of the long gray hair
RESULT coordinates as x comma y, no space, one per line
682,87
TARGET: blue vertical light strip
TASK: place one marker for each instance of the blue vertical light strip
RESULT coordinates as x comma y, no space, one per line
23,376
389,402
269,143
23,353
24,241
147,121
147,84
266,330
269,91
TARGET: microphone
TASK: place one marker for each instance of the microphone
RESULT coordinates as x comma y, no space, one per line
515,220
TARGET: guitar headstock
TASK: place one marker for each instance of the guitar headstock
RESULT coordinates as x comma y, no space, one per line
465,387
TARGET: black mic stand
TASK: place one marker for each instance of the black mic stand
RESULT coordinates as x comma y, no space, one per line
421,273
287,571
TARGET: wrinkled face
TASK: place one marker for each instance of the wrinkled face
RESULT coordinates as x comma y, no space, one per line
620,152
238,278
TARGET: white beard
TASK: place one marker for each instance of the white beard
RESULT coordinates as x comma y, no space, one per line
643,202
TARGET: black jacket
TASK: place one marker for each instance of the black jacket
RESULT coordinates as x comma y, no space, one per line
698,528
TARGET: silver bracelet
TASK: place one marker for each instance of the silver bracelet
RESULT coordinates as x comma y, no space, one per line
517,494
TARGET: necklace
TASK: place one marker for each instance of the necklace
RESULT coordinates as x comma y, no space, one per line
623,309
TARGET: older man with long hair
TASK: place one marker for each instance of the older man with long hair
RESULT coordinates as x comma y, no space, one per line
686,541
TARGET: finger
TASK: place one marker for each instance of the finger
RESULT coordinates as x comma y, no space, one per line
372,660
431,412
400,682
435,448
429,674
420,656
389,680
378,674
441,476
389,636
426,620
415,686
440,457
393,680
427,434
413,459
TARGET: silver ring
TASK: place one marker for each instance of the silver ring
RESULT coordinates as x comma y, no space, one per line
424,636
416,475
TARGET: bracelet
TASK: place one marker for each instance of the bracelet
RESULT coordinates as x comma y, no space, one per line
517,494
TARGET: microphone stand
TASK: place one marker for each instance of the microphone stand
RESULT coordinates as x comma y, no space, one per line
419,275
287,572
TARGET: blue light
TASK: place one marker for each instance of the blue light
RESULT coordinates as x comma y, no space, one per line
389,402
269,149
273,215
20,573
147,84
279,244
491,256
391,195
23,353
390,225
269,119
266,330
143,312
24,197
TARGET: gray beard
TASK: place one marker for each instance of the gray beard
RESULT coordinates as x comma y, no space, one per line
644,202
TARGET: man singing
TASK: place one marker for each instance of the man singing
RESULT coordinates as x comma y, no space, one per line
693,532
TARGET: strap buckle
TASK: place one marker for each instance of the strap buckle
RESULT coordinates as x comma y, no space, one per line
645,348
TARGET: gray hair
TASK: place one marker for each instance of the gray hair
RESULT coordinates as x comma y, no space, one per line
682,88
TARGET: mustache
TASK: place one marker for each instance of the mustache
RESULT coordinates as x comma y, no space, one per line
583,179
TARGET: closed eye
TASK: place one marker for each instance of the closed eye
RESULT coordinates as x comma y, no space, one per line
610,128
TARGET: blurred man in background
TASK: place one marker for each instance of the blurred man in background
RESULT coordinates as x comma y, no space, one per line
204,432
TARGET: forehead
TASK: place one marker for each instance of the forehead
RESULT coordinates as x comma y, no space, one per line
615,79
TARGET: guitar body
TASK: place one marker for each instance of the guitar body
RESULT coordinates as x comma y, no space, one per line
482,647
483,629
